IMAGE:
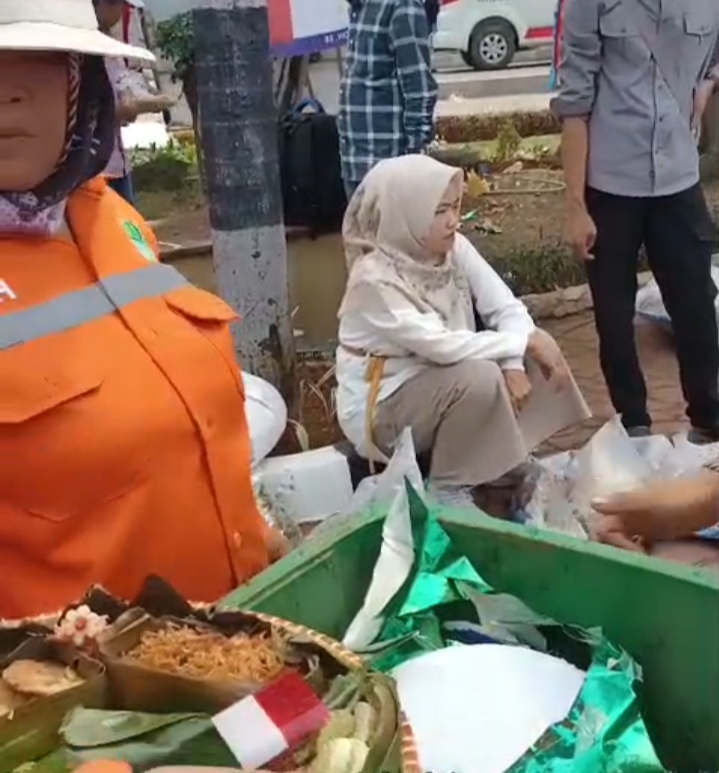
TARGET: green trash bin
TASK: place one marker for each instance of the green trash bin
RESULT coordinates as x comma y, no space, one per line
666,616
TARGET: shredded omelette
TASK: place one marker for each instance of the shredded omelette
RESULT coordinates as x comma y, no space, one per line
209,655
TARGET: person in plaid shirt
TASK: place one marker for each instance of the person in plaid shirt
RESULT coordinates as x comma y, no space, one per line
388,92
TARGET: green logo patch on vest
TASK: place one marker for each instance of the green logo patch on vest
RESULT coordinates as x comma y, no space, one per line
137,238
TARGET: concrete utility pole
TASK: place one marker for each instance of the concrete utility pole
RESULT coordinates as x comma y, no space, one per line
238,129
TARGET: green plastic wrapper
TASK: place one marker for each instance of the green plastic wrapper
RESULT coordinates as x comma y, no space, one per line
604,732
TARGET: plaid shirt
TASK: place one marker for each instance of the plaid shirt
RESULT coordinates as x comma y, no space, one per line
388,93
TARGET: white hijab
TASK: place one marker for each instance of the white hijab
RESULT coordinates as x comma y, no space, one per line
386,221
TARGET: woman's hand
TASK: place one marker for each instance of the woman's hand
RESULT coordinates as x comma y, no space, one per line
543,349
664,510
518,386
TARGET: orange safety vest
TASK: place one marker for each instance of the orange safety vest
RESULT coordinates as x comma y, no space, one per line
124,447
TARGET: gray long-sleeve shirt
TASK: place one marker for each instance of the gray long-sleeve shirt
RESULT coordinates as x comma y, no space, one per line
638,101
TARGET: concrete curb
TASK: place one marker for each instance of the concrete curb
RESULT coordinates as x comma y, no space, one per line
459,107
566,301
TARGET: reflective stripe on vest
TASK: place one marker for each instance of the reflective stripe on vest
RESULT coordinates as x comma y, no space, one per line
80,306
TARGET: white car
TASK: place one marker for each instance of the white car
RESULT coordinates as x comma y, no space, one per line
488,33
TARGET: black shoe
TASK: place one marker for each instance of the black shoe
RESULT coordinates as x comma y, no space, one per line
638,432
702,437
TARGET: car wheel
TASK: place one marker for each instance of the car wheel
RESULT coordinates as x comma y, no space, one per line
493,45
467,58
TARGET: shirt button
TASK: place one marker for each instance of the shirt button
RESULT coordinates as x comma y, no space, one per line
237,539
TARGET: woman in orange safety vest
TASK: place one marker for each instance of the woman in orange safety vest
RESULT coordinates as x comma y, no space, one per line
124,448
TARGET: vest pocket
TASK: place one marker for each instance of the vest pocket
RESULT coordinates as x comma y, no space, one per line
31,389
58,456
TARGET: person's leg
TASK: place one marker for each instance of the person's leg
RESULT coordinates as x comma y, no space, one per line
679,240
461,413
612,276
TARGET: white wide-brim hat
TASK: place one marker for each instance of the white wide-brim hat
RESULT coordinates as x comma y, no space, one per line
59,25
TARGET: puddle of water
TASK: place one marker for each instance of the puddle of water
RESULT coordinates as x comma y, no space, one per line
317,281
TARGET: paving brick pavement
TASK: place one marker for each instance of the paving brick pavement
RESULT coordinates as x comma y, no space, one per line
578,341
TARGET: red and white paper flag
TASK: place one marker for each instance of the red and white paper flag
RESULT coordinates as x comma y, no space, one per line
274,720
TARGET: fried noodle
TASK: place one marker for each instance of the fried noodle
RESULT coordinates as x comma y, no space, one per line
209,655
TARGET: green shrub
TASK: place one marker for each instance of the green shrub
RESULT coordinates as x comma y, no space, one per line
163,169
175,42
539,269
529,269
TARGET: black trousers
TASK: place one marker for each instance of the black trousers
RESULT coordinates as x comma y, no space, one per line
678,235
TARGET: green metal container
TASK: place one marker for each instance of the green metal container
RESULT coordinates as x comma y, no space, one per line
665,616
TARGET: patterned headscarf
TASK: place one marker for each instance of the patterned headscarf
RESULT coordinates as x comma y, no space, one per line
88,144
383,231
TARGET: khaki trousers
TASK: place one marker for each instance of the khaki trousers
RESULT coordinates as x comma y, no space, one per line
464,416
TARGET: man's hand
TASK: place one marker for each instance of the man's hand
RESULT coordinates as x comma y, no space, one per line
543,349
611,530
518,386
580,232
278,546
664,510
702,95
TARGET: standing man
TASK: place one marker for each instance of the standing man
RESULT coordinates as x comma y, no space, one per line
388,92
634,81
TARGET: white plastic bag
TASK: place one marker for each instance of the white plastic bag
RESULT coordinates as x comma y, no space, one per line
548,507
397,552
687,458
610,463
650,306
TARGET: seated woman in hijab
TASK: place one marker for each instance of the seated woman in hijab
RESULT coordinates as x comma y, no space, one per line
410,355
124,444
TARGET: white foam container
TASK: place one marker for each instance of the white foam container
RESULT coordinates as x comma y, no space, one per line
308,487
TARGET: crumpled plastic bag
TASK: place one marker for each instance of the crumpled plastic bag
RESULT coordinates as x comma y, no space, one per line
610,463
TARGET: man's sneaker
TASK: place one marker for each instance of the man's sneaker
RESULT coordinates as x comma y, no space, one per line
702,437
